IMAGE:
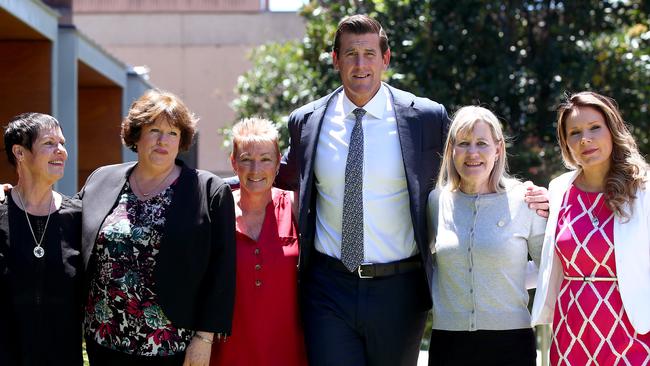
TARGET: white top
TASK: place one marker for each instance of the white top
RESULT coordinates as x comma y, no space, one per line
631,250
387,229
482,243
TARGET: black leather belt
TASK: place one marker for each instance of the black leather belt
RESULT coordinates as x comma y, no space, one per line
369,270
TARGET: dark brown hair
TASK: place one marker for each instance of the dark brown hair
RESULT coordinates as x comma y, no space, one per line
361,24
156,104
627,172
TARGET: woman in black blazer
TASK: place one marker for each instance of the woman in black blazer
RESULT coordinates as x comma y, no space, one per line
162,267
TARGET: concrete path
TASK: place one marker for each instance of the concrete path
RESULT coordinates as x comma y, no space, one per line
423,359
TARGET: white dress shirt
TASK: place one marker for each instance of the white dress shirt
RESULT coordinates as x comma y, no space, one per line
387,229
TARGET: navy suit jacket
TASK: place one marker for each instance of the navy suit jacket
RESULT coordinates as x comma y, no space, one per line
422,127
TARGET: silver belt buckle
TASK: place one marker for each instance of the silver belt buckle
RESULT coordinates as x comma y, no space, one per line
359,270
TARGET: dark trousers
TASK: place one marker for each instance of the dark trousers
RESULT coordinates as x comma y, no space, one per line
357,322
102,356
515,347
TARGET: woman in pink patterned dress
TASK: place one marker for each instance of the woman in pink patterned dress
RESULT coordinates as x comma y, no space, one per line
594,279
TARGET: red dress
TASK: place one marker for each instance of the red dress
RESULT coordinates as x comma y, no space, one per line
590,324
266,326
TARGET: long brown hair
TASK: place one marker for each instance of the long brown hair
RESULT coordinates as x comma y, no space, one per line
627,172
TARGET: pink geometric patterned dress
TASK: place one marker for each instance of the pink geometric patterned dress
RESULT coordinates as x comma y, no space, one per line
590,326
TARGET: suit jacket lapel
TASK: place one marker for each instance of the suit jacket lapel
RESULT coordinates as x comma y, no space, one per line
308,144
309,139
408,130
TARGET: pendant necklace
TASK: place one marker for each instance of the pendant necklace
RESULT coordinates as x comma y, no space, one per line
39,252
594,218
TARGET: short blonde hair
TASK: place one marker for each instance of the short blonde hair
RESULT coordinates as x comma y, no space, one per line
628,169
151,106
254,130
464,121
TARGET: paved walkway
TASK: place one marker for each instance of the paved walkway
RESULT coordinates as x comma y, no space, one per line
424,358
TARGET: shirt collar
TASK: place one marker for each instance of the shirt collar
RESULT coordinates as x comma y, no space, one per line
375,106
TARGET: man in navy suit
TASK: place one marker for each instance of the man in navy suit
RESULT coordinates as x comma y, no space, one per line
373,313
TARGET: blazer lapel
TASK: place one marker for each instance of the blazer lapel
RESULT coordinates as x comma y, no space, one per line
309,140
409,131
187,204
550,269
102,201
308,143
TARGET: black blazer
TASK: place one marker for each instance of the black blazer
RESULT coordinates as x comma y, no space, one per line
195,267
422,127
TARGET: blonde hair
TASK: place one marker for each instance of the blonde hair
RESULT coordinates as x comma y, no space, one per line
254,130
464,122
627,172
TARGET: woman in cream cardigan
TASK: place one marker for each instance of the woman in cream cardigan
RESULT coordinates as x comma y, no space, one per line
594,278
483,232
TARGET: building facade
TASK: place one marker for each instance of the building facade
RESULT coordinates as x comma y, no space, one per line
47,65
196,49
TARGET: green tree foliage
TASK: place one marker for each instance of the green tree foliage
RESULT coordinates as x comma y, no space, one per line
517,58
279,80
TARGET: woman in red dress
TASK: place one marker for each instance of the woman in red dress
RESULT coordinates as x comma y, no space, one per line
594,282
266,323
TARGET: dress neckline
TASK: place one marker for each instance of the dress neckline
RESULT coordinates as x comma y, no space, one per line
580,190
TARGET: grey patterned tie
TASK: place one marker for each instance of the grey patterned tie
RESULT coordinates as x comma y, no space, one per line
352,236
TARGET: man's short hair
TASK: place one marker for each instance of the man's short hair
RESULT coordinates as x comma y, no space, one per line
361,24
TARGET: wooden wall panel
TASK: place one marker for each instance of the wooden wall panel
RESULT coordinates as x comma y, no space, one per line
25,86
100,115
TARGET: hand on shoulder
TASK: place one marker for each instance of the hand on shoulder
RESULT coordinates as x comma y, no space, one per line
537,198
3,192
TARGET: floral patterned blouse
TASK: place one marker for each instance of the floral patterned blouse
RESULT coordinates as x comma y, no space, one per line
122,311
